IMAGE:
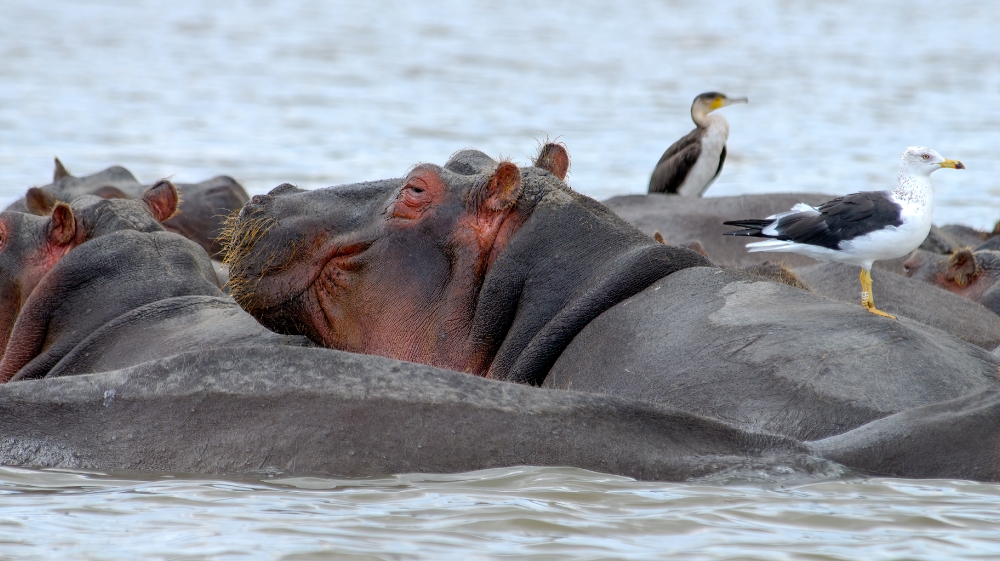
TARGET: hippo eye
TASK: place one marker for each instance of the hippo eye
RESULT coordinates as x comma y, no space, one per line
416,189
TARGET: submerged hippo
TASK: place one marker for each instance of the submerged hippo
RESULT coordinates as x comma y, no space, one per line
201,211
126,292
504,272
966,272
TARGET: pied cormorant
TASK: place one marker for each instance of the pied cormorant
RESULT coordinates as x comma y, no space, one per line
692,163
861,228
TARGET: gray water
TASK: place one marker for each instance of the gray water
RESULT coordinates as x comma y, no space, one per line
320,93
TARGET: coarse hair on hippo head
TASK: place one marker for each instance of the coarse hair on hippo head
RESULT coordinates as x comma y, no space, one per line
477,265
32,244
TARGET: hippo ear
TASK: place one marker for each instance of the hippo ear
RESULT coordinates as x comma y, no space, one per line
162,200
962,267
696,245
59,172
62,225
659,237
39,201
502,190
110,192
554,159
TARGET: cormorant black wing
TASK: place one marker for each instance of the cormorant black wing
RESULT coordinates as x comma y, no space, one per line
675,163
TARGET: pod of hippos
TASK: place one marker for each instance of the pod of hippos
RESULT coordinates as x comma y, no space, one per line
470,315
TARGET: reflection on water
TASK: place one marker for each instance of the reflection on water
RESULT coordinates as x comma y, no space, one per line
533,513
318,93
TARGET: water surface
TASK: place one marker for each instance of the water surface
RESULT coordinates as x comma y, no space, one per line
320,93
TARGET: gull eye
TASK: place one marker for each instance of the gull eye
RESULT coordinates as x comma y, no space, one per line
926,156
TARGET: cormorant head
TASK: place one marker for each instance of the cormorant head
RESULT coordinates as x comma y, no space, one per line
710,101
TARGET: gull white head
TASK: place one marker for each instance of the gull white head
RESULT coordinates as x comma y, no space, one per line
920,160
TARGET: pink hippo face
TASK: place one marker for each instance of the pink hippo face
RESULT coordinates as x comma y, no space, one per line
385,267
30,246
965,272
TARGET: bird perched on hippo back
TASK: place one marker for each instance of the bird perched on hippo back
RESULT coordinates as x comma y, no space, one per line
201,211
690,165
861,228
477,265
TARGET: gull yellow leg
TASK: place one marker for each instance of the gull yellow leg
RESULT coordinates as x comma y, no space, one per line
866,294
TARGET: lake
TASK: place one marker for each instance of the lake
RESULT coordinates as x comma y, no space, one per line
320,93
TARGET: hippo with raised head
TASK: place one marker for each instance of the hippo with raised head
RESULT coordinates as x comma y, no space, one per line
127,291
500,271
201,211
970,273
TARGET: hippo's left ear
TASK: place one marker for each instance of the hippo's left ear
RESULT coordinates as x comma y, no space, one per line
162,200
501,191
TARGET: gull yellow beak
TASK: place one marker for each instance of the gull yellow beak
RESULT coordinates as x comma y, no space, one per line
953,164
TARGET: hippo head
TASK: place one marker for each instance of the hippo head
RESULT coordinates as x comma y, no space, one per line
29,247
32,244
386,267
965,272
472,266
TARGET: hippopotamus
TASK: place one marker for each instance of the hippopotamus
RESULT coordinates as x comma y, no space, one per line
902,296
969,273
443,267
29,247
504,272
201,211
316,411
126,292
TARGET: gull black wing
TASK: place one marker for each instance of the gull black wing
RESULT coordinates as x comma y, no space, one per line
838,220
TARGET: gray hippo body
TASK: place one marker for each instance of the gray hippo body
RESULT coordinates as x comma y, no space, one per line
911,298
324,412
768,357
319,411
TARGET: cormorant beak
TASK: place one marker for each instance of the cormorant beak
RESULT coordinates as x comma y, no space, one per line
953,164
733,100
724,101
